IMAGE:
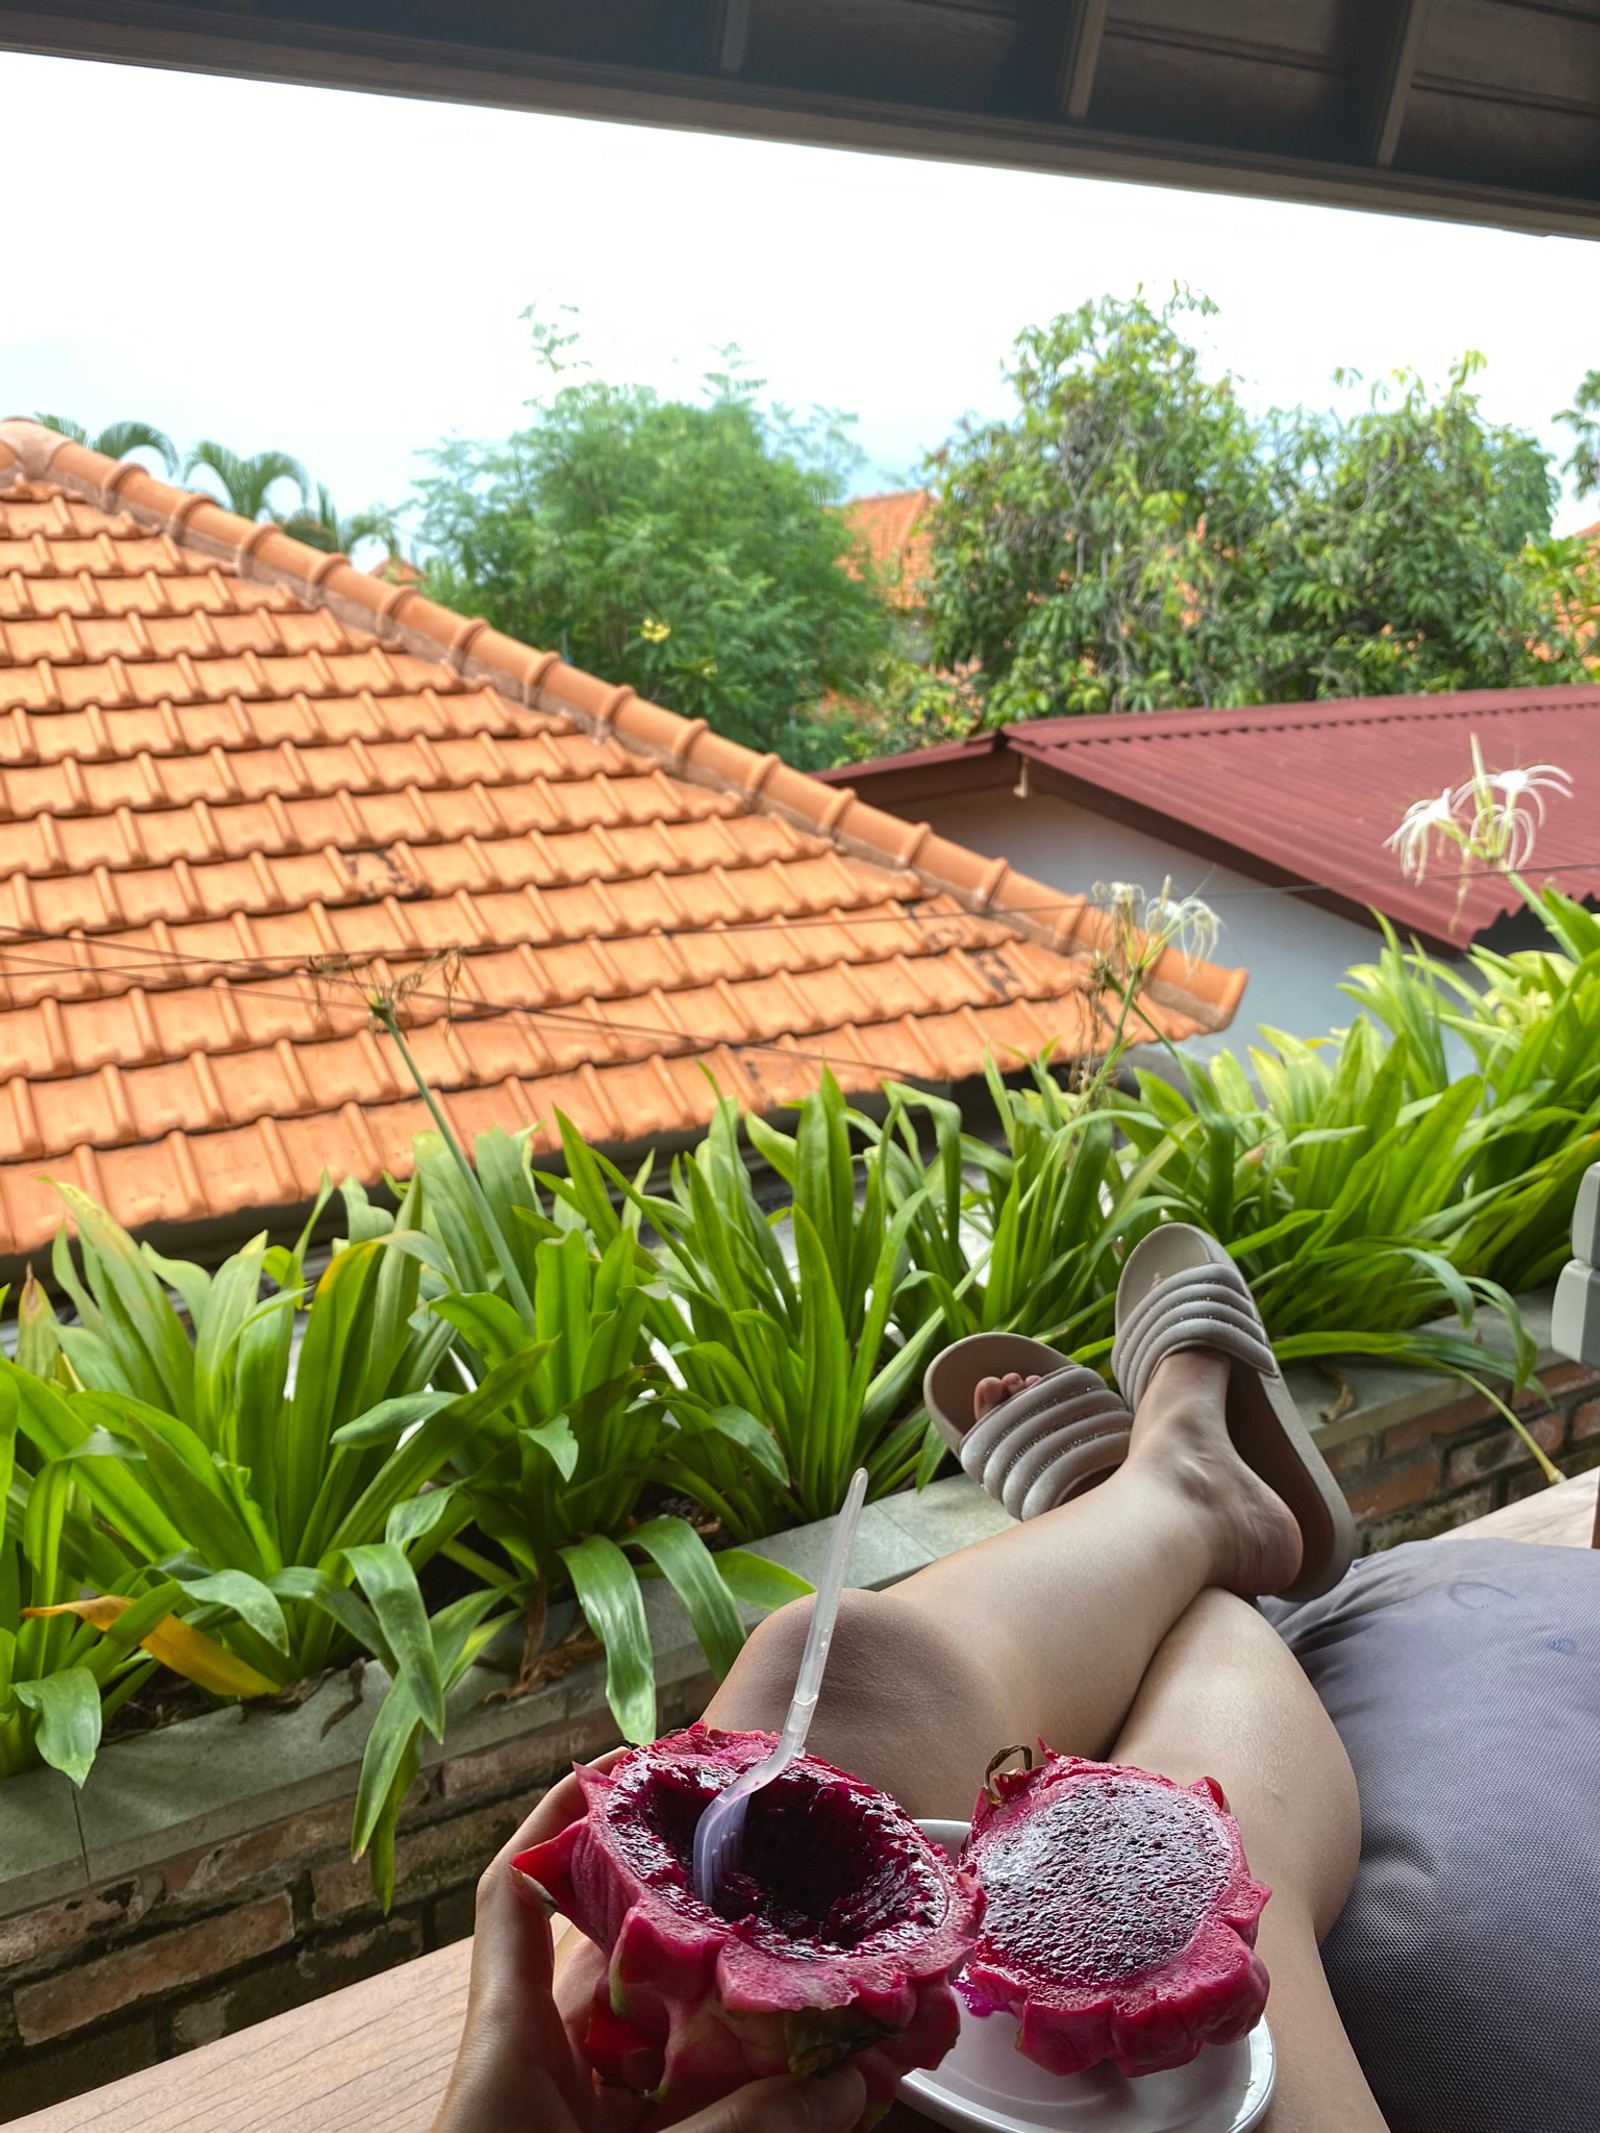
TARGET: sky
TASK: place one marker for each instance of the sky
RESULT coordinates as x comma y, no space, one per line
341,276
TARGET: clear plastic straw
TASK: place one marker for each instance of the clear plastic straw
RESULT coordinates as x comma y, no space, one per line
719,1834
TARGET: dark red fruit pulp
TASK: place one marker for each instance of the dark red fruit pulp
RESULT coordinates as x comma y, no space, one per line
827,1865
1109,1879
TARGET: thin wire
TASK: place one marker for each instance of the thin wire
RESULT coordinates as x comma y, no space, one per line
683,1043
904,915
901,916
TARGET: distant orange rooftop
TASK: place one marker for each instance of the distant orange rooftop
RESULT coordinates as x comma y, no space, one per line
229,762
895,530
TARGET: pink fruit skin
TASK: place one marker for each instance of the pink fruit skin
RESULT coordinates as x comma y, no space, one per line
693,2005
1209,1989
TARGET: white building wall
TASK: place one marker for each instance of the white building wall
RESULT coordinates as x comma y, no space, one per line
1296,954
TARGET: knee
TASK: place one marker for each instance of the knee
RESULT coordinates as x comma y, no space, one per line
906,1703
878,1641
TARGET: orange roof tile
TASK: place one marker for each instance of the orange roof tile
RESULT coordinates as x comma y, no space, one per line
230,763
898,541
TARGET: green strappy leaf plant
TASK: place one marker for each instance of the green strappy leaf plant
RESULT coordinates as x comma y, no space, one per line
780,1323
552,1490
205,1440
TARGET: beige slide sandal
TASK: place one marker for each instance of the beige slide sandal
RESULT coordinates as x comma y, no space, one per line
1179,1289
1046,1443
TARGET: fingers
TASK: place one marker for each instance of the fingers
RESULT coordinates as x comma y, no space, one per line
831,2103
562,1804
516,2057
515,2069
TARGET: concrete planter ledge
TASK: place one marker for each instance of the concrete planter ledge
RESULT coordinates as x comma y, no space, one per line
201,1879
164,1794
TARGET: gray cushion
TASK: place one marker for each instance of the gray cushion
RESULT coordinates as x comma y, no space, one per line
1464,1679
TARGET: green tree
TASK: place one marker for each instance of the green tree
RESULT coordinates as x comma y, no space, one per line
247,484
1583,419
1413,552
1096,552
686,549
320,526
118,439
1133,537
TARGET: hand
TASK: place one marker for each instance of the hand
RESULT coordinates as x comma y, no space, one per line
518,2071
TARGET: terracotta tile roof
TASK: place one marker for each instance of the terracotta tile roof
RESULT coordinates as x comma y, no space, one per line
897,541
1301,792
228,761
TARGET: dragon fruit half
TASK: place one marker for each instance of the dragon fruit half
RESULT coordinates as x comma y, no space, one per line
838,1939
1121,1916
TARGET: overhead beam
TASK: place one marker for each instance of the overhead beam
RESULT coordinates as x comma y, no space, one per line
1078,53
730,34
195,39
1394,82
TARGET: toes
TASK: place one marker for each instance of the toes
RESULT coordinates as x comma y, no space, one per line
989,1392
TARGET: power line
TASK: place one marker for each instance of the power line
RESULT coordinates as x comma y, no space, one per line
903,915
682,1043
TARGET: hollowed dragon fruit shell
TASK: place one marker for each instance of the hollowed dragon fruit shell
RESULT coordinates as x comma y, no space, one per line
838,1939
1121,1916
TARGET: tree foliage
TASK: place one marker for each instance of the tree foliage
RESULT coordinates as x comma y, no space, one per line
687,549
1134,537
320,525
118,440
1412,551
247,483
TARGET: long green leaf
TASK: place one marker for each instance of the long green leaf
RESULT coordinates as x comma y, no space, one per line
247,1597
392,1592
607,1589
755,1581
690,1568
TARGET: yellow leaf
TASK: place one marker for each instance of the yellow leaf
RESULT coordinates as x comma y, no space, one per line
187,1650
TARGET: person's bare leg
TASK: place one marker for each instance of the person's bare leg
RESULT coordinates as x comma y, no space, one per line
1225,1698
1043,1631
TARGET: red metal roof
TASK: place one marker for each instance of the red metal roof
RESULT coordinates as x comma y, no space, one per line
1306,792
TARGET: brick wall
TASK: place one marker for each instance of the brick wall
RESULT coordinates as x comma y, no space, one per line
97,1985
1409,1479
195,1946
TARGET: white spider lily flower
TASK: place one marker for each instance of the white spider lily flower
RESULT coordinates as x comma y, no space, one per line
1507,808
1533,783
1186,922
1521,813
1422,823
1145,927
1491,819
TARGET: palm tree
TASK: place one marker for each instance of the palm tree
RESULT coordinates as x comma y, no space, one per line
118,439
247,483
320,526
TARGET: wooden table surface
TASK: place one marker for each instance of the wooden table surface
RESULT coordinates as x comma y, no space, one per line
374,2058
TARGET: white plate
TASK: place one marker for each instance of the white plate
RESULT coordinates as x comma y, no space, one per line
985,2085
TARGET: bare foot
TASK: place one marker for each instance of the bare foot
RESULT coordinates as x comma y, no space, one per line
1180,1436
989,1392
